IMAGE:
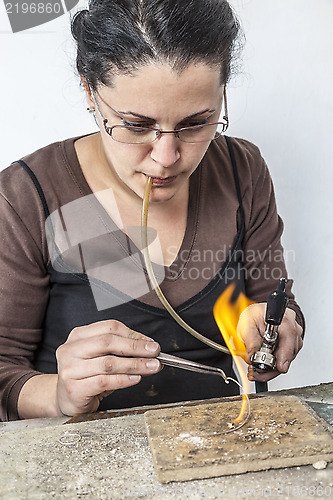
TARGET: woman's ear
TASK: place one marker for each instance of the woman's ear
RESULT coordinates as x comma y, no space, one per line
87,90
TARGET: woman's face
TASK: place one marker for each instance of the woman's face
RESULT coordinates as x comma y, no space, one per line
157,96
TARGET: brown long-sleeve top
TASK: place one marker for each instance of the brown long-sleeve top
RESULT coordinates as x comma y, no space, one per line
211,229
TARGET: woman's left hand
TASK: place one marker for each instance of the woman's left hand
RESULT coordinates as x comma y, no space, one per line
251,328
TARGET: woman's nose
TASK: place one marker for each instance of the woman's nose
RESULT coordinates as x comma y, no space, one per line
165,150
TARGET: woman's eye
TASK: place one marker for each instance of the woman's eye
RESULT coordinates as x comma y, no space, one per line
194,124
135,124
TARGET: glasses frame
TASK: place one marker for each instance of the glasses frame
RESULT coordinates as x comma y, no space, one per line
159,132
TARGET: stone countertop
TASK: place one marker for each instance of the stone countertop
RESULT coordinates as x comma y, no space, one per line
111,459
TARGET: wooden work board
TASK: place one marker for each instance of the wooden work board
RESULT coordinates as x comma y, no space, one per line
190,442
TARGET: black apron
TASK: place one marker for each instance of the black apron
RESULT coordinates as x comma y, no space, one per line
71,304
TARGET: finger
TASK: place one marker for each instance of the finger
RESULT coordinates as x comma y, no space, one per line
111,365
290,341
104,344
253,341
108,326
250,325
288,346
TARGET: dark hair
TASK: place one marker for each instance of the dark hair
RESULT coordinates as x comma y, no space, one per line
120,36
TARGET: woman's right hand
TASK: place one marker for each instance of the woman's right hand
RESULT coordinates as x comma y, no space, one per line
99,358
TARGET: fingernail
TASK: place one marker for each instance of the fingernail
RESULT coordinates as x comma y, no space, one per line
151,346
285,366
152,364
135,378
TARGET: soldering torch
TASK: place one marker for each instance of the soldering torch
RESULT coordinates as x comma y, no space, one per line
277,302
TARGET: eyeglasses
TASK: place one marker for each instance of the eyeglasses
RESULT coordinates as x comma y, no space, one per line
137,134
128,134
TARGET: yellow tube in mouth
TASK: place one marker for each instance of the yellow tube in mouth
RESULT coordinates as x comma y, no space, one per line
245,411
151,275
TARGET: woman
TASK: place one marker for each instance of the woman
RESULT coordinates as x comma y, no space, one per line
81,324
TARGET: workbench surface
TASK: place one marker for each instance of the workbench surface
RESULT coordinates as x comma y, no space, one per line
111,459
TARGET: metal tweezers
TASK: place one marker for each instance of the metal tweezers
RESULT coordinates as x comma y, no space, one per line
185,364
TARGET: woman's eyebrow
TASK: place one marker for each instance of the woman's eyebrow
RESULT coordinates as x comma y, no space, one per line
143,117
137,115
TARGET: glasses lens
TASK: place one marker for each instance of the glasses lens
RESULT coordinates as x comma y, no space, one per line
201,133
145,135
133,135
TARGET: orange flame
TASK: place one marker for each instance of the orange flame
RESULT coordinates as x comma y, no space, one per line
226,314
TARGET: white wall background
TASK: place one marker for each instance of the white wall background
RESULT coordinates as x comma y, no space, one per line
282,100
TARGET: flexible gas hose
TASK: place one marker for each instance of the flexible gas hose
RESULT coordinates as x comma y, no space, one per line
151,275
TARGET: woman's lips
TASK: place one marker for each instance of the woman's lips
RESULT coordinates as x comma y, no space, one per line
162,181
